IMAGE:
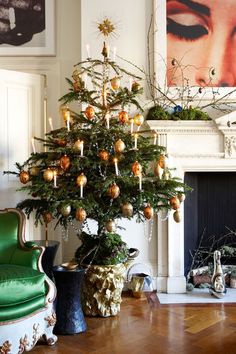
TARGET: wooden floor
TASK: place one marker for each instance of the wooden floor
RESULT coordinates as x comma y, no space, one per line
146,327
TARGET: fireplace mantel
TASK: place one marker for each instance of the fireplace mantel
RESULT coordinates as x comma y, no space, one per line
192,146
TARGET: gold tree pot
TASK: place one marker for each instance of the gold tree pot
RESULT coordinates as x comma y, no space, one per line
102,290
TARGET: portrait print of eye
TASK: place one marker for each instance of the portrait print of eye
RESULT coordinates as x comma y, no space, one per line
185,32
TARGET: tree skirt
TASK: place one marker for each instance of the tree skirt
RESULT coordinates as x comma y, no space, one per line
197,296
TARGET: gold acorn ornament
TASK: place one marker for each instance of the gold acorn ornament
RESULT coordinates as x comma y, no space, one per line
78,145
48,175
138,119
80,214
103,155
148,212
24,177
177,216
89,112
162,161
119,146
65,210
65,162
123,117
47,217
115,83
181,197
64,111
34,171
175,203
110,226
136,168
113,191
127,209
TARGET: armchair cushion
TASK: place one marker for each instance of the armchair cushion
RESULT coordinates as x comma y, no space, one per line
19,284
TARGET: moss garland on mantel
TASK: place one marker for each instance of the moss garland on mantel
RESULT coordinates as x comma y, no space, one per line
158,113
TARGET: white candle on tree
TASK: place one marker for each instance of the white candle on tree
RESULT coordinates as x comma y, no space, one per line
140,181
55,179
81,190
116,166
81,148
131,125
135,141
68,120
33,145
50,123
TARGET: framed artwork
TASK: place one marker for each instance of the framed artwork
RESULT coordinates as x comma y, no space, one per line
27,27
193,49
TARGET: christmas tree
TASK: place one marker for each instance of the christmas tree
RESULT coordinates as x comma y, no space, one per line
101,164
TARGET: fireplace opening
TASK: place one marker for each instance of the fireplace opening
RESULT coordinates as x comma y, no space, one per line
209,212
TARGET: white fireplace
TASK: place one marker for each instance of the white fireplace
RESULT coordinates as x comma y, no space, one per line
193,146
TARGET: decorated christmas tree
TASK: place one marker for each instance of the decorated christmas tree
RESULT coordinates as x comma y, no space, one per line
101,165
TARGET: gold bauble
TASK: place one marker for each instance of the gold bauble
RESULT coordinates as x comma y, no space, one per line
115,83
158,171
123,117
65,210
138,119
76,86
127,209
64,111
48,175
135,86
113,191
110,226
24,177
162,161
89,112
34,171
76,74
119,146
136,168
177,216
80,214
175,203
65,162
78,144
47,217
81,180
103,155
148,212
181,197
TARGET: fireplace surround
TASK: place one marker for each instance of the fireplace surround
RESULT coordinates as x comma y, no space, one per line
192,146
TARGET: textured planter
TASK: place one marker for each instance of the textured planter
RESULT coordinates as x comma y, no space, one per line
102,290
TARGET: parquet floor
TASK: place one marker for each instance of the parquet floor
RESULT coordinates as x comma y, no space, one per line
146,327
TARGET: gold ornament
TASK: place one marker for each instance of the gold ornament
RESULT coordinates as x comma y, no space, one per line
136,168
80,214
103,155
127,209
175,203
64,111
48,175
138,119
106,27
76,74
135,86
65,210
89,112
78,144
65,162
76,86
110,226
123,117
158,171
113,191
177,216
119,146
115,83
81,180
162,161
148,212
181,197
47,217
34,171
24,177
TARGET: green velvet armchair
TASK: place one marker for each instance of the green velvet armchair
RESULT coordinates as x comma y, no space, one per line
26,293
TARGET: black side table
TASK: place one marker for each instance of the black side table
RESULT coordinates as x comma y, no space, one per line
70,317
49,254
